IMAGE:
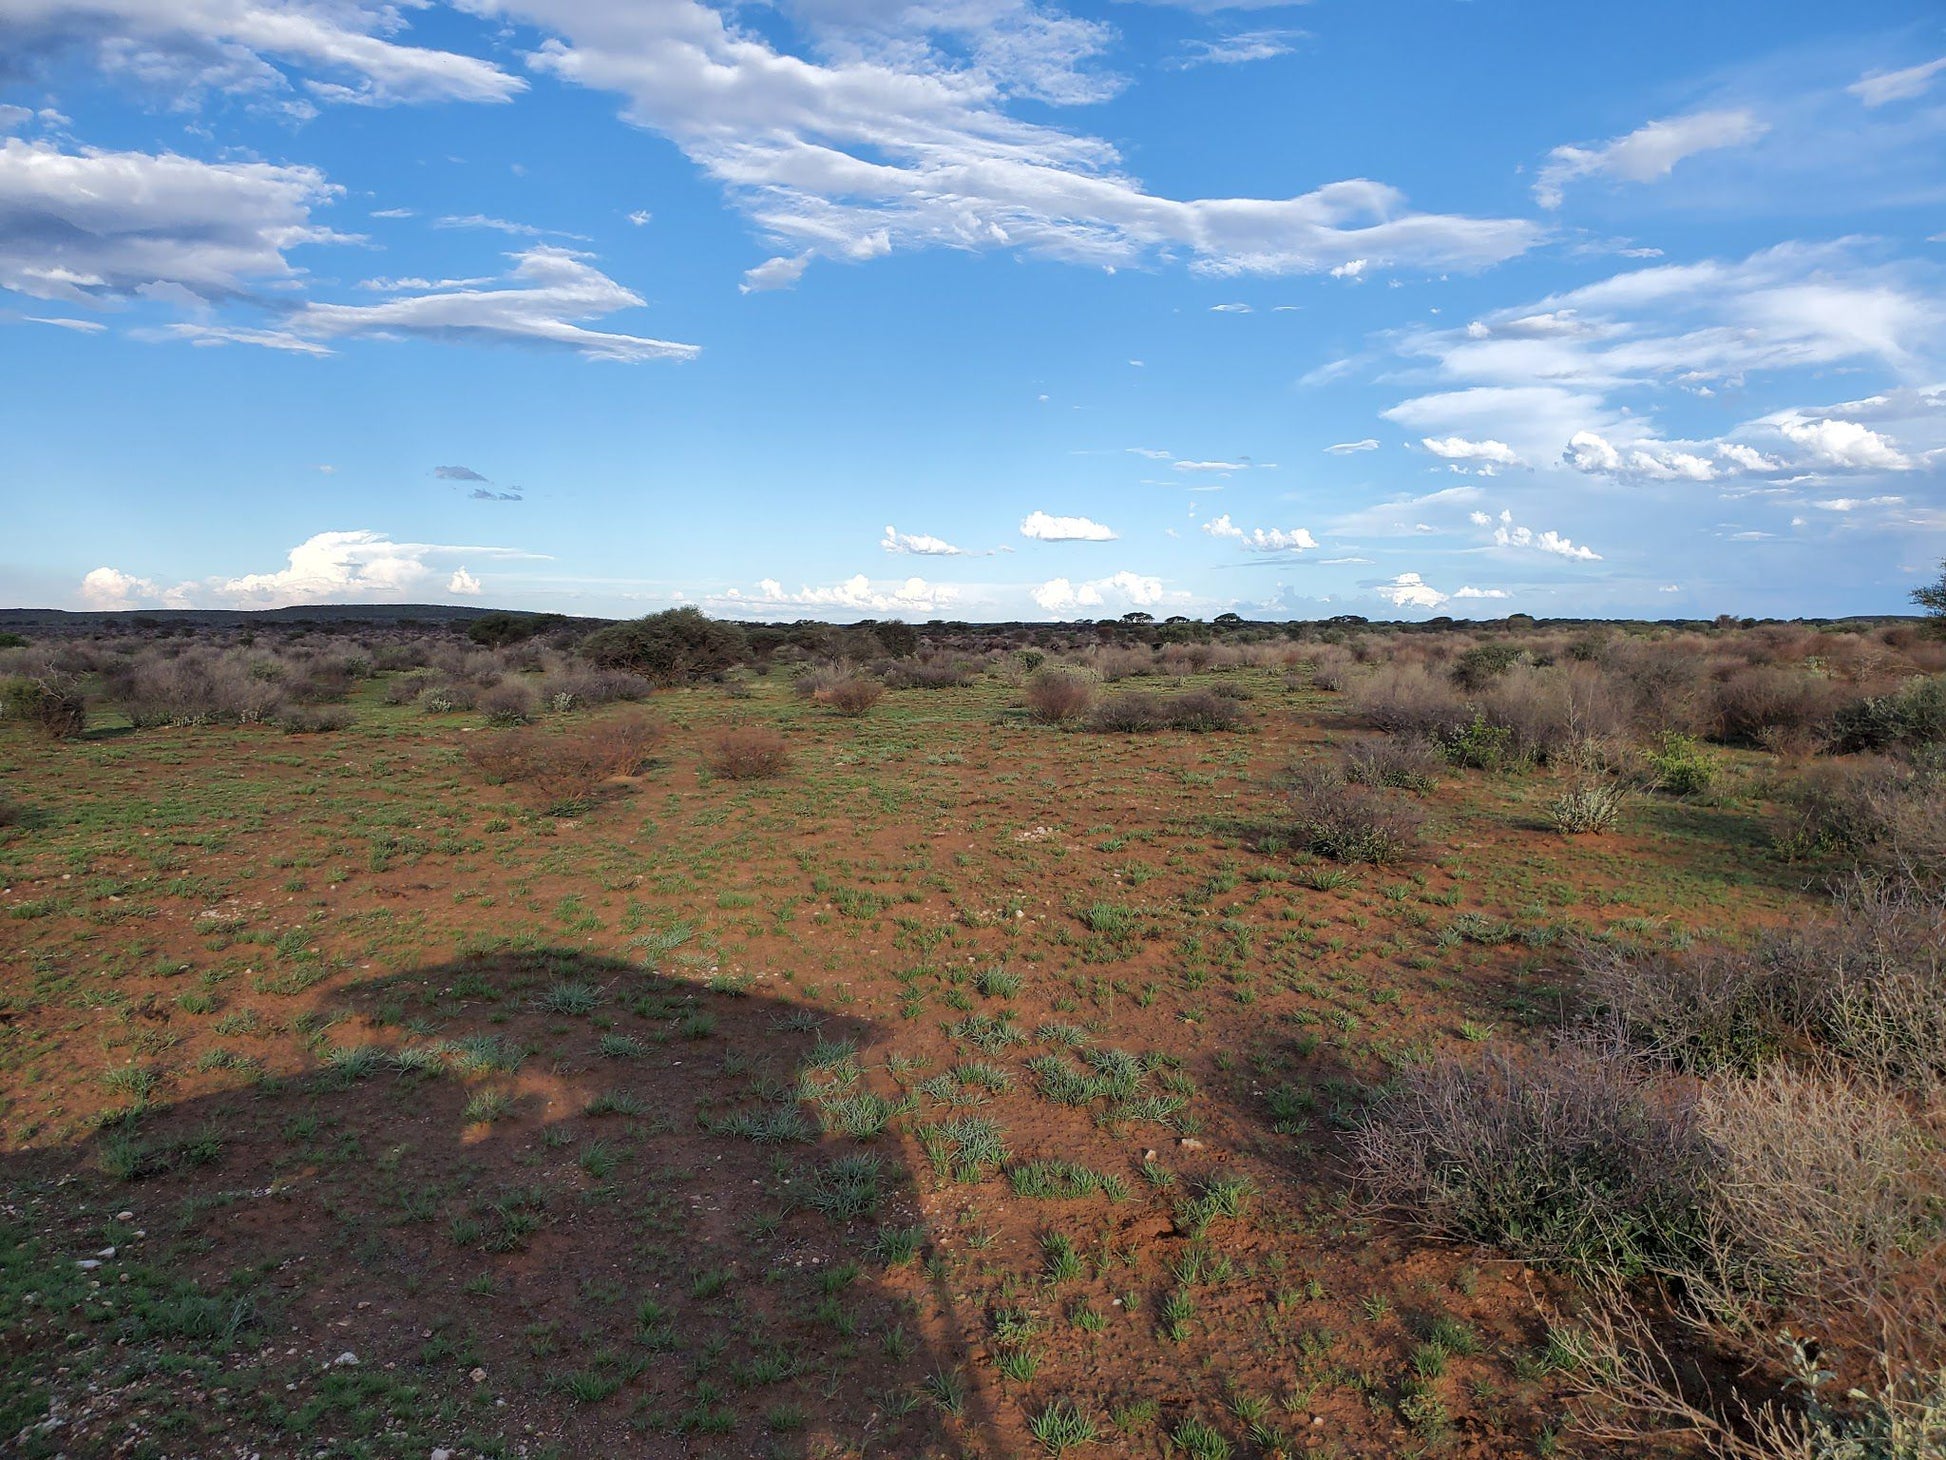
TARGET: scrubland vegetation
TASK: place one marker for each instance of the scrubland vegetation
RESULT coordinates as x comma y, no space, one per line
676,1037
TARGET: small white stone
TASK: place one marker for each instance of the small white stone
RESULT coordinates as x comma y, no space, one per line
345,1359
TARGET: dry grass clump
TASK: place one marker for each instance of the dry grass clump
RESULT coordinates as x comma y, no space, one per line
748,753
1350,823
561,772
853,695
1056,696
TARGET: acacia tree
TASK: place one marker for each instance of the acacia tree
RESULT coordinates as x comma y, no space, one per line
1932,598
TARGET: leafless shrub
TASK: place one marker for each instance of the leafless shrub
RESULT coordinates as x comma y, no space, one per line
1879,814
1759,705
1410,700
747,754
1114,664
1056,696
197,688
1402,761
511,702
314,719
1350,823
403,689
562,771
853,695
51,703
927,674
1557,714
1576,1159
447,696
576,688
1204,711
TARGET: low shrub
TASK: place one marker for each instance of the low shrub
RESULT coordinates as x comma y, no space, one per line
448,696
1479,666
1204,711
1402,761
1771,705
1411,700
511,702
51,704
853,695
1575,1160
1679,766
1879,815
1588,807
673,647
1056,696
196,688
1912,715
314,720
747,754
1130,714
575,688
1350,823
927,674
562,771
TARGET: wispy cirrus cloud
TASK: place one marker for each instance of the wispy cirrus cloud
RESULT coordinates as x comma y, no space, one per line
1647,153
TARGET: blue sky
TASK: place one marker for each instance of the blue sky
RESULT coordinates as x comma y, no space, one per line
974,308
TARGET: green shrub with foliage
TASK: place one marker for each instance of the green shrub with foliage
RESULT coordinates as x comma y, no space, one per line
673,647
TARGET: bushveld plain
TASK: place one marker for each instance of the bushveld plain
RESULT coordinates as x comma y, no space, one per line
1256,1040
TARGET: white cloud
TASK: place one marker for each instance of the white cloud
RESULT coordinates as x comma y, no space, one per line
1043,528
919,543
1409,590
1222,466
539,301
501,225
1238,49
1404,517
1647,153
1508,533
1458,448
329,567
97,227
1349,269
463,583
1261,540
857,594
895,138
1058,595
187,47
108,589
1229,309
1470,592
1150,452
1346,448
1852,504
1876,88
1844,444
1650,460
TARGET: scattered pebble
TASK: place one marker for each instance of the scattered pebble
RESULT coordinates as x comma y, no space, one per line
478,1376
345,1359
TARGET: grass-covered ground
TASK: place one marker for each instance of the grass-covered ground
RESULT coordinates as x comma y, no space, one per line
973,1088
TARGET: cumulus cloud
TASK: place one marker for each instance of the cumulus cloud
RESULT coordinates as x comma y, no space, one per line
1347,448
1647,153
1490,455
1261,540
328,567
1044,528
98,228
919,543
1876,88
1409,590
1059,595
244,47
1509,534
1471,592
858,594
895,138
109,589
463,583
1844,444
